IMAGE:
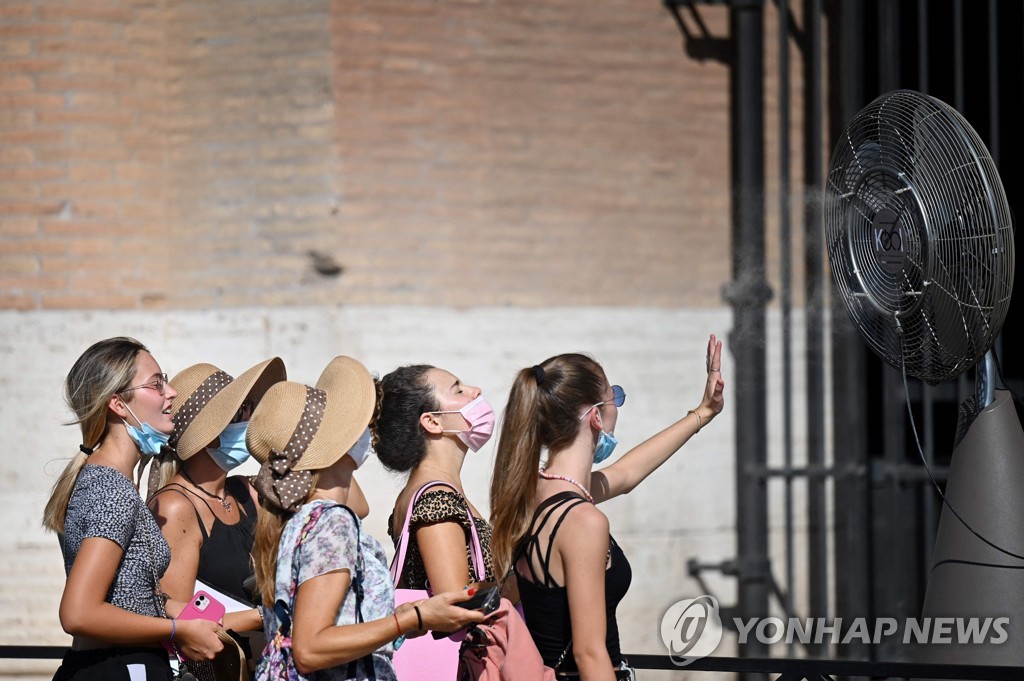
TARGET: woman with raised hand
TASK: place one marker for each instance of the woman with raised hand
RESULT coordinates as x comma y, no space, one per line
208,517
428,422
114,554
571,573
322,581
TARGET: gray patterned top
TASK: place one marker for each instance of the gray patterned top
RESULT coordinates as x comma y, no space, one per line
106,504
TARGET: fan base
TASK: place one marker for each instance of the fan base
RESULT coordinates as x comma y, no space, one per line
968,577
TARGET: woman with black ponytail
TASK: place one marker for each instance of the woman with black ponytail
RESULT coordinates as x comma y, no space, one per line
570,572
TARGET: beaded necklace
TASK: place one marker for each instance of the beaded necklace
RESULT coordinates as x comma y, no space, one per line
565,478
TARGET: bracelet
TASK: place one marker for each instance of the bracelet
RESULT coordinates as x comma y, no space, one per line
259,611
173,628
419,618
700,421
397,625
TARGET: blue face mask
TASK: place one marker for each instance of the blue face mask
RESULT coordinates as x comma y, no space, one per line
605,446
148,439
232,451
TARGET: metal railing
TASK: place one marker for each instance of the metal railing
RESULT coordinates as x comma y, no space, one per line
786,669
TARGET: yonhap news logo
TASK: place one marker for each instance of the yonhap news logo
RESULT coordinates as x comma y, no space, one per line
691,629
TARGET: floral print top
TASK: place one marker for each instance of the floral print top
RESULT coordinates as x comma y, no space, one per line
329,546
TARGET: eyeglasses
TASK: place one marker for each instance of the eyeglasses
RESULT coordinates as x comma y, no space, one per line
618,399
158,384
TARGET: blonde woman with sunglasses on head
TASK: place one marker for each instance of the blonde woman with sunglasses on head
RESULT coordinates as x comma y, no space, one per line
571,573
113,551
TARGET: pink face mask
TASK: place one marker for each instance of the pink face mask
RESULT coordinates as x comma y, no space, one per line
480,417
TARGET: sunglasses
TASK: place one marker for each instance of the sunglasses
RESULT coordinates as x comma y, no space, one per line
618,399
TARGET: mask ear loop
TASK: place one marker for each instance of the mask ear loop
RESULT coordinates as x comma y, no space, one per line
130,412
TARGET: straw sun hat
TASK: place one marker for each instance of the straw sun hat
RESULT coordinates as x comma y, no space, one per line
348,395
298,429
209,398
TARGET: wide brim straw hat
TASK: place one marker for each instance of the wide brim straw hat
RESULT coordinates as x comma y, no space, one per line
350,400
208,399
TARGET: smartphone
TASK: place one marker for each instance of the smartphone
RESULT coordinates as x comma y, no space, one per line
485,600
203,606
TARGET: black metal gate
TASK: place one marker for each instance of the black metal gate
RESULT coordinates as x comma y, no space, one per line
846,53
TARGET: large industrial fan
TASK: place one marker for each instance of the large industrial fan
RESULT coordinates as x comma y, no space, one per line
921,246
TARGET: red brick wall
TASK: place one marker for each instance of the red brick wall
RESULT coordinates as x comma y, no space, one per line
81,165
172,153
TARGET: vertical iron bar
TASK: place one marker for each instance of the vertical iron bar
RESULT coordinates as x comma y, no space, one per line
786,302
922,45
993,104
931,525
853,545
965,386
748,294
889,50
814,305
993,81
958,56
928,394
896,563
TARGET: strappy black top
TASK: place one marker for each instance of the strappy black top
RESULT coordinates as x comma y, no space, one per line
224,555
546,603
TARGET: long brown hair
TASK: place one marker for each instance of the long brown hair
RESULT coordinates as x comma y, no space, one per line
270,524
105,369
543,412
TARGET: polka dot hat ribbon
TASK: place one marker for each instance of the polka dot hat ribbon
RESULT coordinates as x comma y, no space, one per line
277,482
213,384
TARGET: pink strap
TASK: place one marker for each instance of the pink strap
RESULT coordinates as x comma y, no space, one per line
398,564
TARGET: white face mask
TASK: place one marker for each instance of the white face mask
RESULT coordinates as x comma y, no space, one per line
360,451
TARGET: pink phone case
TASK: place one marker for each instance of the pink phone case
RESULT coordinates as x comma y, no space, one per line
202,606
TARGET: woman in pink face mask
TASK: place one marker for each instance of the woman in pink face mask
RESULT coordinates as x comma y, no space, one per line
427,423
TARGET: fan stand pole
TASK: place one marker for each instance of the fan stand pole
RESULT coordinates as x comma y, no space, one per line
985,391
968,577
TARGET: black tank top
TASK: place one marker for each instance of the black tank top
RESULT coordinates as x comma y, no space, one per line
225,554
546,603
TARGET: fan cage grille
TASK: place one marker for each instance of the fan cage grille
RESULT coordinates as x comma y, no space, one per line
919,235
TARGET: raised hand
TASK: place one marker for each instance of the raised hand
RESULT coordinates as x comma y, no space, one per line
713,389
